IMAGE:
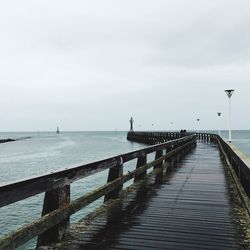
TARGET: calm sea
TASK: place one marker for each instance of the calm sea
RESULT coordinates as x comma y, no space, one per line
49,152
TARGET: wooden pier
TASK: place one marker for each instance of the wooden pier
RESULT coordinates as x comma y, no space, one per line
194,195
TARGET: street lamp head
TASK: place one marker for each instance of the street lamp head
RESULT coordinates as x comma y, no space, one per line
219,113
229,92
198,120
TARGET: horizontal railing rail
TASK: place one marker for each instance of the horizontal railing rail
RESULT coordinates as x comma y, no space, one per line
206,136
15,191
57,208
152,138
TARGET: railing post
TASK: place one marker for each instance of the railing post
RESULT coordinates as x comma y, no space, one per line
174,158
168,161
115,173
53,200
142,160
158,155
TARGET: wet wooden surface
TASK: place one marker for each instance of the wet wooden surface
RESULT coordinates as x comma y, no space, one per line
187,209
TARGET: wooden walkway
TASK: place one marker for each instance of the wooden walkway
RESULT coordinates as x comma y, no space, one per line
187,209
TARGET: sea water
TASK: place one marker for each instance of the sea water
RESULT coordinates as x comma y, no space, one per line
50,152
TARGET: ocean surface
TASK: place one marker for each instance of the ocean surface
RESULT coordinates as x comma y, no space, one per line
50,152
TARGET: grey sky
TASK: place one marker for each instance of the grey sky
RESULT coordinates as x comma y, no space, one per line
90,65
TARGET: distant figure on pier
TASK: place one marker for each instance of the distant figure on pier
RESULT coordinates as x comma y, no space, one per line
57,130
131,123
183,132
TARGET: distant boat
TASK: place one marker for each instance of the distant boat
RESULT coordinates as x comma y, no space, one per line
57,130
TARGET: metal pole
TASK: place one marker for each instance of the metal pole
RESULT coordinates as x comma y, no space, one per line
198,125
219,114
229,93
230,130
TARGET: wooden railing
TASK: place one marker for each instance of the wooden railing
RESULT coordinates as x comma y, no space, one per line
239,166
57,208
206,136
152,138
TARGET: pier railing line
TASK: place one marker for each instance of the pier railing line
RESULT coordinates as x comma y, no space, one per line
239,166
148,137
57,208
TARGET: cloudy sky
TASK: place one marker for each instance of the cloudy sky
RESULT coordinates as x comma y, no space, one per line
92,64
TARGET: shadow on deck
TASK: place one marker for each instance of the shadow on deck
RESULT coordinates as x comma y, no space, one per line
189,208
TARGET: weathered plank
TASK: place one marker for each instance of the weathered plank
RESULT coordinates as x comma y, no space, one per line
20,190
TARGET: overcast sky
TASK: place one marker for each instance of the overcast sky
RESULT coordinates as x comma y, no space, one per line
91,65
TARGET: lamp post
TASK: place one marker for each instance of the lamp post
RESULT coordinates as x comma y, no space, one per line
229,93
219,114
198,119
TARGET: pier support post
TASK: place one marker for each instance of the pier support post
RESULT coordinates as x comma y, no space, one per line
115,173
168,161
142,160
158,155
173,158
52,200
179,154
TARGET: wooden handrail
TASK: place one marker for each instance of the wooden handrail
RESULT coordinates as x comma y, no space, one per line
19,190
239,162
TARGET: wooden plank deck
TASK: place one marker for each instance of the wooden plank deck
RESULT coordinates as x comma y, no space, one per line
188,209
